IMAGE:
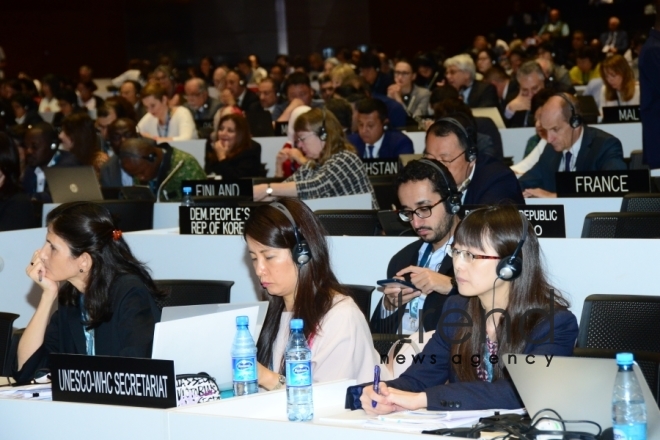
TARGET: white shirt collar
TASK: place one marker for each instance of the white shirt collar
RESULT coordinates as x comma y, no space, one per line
469,177
377,145
575,150
239,101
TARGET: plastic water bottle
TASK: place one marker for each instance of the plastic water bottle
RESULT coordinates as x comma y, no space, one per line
300,407
244,360
628,407
187,199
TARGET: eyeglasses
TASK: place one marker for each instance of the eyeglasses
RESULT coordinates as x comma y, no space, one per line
422,212
401,73
469,257
442,161
304,138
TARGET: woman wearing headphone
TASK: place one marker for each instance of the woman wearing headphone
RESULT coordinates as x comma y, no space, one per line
505,306
290,257
333,169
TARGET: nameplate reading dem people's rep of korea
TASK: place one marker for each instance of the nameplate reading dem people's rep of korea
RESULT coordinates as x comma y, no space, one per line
602,183
109,380
219,188
213,220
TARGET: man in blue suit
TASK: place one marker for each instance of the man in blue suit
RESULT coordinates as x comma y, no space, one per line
571,147
373,140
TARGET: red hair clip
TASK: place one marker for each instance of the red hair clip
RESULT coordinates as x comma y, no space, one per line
116,234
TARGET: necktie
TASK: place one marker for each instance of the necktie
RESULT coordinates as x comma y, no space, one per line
567,162
370,154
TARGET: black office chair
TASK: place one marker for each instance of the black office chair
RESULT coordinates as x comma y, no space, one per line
637,161
393,226
193,292
621,225
6,331
350,222
641,202
385,190
362,297
131,215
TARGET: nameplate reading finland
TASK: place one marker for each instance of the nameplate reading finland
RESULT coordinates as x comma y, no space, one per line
380,167
627,113
110,380
219,188
602,183
213,220
548,221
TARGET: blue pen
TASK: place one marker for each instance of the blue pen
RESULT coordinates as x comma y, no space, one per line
376,384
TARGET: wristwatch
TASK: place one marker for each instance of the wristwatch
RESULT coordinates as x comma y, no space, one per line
269,191
281,381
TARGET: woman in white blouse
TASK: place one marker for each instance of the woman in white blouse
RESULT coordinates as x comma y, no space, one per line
162,122
619,85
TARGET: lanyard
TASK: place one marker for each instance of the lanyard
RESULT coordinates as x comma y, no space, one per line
89,334
425,261
164,131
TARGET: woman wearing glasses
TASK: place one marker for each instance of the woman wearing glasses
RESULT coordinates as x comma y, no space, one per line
505,306
333,169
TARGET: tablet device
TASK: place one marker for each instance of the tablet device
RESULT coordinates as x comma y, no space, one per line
400,283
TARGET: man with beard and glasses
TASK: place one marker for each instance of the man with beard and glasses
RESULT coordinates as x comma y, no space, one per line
429,200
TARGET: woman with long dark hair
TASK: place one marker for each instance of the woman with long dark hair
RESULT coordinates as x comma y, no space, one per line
79,137
335,328
106,297
234,154
495,313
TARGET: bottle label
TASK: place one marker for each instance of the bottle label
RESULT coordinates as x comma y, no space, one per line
298,373
244,368
635,431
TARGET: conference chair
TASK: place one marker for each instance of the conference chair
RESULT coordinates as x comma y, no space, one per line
621,225
193,292
131,215
6,331
641,202
350,222
637,161
385,190
362,297
393,226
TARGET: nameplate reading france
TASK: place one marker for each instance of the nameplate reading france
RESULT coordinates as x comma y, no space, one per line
380,167
219,188
149,383
213,220
627,113
602,183
548,221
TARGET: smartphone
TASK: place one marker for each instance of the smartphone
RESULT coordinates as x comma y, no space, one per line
398,282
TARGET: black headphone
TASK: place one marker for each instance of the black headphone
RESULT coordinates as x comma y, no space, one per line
322,133
471,150
150,158
300,252
575,120
453,201
509,268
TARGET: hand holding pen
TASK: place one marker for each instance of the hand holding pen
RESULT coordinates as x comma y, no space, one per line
376,384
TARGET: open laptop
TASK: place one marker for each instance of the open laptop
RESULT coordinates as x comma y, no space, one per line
577,388
73,184
199,338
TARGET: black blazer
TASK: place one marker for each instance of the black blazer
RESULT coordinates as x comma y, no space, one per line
249,99
482,95
409,256
492,183
111,173
245,164
128,333
598,151
487,127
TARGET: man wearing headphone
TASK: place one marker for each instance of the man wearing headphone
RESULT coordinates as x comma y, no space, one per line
429,202
237,86
572,146
130,91
483,178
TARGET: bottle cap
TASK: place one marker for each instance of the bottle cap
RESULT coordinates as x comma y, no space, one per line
187,190
296,324
242,320
624,358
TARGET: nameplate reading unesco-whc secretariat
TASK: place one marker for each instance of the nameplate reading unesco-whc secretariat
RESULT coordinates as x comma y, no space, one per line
219,188
111,380
548,221
381,167
213,220
602,183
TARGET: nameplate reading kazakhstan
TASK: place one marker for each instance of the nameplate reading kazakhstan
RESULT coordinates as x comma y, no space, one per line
548,221
213,220
110,380
626,113
602,183
380,167
219,188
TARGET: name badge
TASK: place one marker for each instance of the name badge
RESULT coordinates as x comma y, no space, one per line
213,220
626,113
548,221
380,167
149,383
219,188
602,183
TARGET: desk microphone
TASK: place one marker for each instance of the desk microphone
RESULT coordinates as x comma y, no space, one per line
169,176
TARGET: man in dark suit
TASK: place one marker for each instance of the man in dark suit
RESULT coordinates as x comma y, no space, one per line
428,197
202,107
506,87
614,40
112,173
571,147
373,140
237,86
130,91
460,75
530,79
298,92
378,81
485,179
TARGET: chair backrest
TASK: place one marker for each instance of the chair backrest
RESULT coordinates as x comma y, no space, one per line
621,225
193,292
620,322
6,330
641,202
637,161
349,222
131,215
362,297
385,191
